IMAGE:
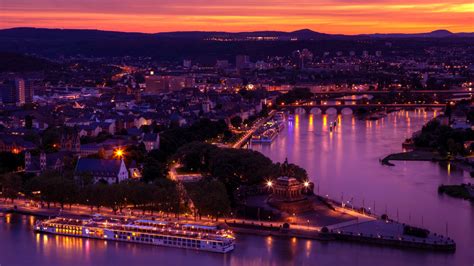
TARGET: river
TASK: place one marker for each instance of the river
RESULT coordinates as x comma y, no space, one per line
343,164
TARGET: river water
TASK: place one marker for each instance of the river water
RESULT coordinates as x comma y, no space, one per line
343,163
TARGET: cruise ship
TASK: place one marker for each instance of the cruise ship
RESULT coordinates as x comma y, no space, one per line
155,232
280,116
266,137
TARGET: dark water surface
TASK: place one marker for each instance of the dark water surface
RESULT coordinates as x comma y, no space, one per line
344,163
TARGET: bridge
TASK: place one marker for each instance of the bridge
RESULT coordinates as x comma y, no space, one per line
350,92
323,108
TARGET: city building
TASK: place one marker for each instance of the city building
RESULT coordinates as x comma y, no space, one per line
45,162
222,64
70,140
14,144
101,170
162,84
242,61
289,194
151,141
187,63
16,91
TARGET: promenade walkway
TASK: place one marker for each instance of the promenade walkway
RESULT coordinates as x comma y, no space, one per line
249,133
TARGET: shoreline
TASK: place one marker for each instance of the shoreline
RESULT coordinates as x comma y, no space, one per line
462,191
415,155
352,231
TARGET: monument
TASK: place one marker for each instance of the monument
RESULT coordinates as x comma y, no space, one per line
290,194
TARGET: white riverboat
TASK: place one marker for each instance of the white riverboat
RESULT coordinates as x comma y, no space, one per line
280,116
155,232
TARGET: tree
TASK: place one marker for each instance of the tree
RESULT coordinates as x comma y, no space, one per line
294,95
232,167
55,187
50,137
209,197
154,169
11,185
236,121
28,121
10,162
166,197
448,111
135,153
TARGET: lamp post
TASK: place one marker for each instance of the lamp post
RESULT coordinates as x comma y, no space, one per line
269,183
119,153
306,186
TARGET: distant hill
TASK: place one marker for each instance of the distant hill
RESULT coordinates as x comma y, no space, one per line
201,46
433,34
13,62
306,34
303,34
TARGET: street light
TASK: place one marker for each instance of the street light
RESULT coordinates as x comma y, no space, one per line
269,183
119,153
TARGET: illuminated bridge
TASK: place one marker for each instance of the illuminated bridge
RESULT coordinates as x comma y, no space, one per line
323,108
432,92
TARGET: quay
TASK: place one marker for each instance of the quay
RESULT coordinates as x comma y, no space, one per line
376,232
390,233
360,227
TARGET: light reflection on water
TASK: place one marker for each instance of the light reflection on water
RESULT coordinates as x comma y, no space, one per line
343,163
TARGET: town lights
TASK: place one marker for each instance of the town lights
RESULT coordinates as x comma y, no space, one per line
306,183
269,183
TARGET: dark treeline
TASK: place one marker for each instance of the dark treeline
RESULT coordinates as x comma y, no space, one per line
156,163
13,62
10,162
443,138
232,167
63,189
54,43
294,95
209,197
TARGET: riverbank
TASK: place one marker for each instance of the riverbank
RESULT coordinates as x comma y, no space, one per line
463,191
416,155
393,234
364,228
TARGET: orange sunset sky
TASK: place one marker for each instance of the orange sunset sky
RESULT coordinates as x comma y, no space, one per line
329,16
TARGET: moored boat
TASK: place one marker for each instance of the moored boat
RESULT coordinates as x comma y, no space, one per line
279,116
155,232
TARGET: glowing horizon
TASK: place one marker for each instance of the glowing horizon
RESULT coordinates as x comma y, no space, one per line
328,16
